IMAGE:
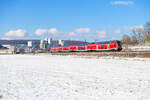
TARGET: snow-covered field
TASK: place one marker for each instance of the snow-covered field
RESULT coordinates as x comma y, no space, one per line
46,77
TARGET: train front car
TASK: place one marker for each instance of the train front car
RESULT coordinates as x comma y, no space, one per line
119,45
115,45
109,46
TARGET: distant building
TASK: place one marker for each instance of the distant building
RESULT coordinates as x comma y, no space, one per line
22,45
29,44
3,47
7,49
45,44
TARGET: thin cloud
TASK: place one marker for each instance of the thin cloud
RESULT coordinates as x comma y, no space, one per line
83,30
101,33
117,31
16,33
40,32
71,33
5,38
53,31
130,28
122,3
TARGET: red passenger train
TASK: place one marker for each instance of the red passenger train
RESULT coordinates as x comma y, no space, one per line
95,46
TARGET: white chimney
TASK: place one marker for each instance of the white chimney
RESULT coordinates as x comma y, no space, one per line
49,40
60,42
29,43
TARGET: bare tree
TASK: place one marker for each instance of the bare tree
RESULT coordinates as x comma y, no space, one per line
138,34
147,27
126,39
147,32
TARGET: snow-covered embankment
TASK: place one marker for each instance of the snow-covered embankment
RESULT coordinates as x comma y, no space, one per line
43,77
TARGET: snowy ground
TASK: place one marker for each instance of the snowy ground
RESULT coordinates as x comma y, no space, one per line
139,48
46,77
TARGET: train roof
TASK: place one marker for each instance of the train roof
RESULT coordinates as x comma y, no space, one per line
104,41
82,44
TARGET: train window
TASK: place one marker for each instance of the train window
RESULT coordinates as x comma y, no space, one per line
106,42
81,49
101,43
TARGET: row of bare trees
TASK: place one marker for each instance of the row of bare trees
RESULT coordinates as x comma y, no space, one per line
138,35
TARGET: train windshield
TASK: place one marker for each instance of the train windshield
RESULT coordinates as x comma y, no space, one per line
119,43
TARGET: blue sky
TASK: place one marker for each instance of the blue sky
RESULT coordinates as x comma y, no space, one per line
71,19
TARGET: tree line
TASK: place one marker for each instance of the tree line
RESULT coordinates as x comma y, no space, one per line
138,35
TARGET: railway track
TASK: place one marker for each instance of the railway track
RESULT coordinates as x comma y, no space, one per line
108,53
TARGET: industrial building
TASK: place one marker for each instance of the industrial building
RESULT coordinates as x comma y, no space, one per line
29,46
